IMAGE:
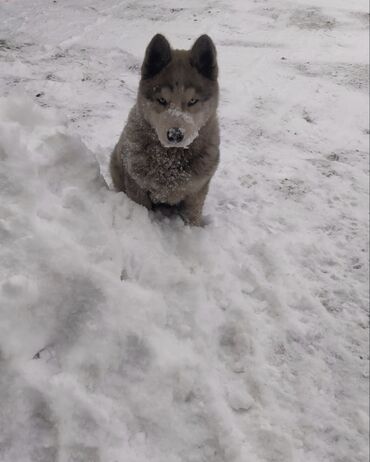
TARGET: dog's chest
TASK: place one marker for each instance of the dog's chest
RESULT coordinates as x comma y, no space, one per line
163,172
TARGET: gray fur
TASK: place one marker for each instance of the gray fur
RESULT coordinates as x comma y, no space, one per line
152,170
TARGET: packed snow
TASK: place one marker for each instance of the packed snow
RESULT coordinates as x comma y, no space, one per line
129,337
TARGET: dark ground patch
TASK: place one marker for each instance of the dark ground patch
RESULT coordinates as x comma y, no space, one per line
248,44
350,75
311,19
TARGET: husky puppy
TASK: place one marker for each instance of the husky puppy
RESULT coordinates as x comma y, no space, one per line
169,148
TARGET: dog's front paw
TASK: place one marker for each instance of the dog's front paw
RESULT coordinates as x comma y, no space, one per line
192,219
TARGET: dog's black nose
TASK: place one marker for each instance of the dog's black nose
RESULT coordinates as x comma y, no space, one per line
175,135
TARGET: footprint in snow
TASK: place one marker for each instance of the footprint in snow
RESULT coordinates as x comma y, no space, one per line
293,188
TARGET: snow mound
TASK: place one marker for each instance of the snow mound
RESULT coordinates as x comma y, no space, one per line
101,348
125,338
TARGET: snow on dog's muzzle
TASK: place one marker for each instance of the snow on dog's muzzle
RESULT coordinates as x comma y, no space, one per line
175,129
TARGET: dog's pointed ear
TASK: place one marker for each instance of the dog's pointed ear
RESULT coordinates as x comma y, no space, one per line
157,56
203,57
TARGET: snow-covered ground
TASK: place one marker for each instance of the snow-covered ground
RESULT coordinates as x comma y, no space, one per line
126,338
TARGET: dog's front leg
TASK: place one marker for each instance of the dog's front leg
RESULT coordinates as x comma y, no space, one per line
137,194
192,207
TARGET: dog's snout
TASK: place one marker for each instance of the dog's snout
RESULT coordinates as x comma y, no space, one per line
175,135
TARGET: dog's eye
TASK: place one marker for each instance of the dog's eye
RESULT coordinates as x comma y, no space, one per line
192,102
162,101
